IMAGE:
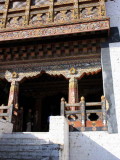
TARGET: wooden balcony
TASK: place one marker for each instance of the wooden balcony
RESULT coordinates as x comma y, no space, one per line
86,116
30,18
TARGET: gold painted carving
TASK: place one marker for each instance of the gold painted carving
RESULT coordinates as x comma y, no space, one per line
73,71
14,75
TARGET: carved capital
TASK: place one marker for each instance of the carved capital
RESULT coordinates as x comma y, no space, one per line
13,77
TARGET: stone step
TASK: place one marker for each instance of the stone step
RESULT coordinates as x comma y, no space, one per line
43,151
22,135
32,158
28,146
14,141
17,157
24,138
16,148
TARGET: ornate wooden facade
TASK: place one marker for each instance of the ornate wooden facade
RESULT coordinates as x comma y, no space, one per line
53,36
28,19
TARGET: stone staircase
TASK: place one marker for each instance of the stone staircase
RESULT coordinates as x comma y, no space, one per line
28,146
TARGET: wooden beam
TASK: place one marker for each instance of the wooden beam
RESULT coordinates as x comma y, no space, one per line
27,12
76,9
5,13
93,104
51,11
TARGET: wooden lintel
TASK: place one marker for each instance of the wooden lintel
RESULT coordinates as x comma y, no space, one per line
55,30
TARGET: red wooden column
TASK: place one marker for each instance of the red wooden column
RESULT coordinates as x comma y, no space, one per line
14,78
13,102
73,91
13,94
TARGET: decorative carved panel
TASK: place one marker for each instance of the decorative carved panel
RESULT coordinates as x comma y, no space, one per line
53,31
49,13
89,13
15,21
38,18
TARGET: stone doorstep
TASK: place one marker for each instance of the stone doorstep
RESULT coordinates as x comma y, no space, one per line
26,135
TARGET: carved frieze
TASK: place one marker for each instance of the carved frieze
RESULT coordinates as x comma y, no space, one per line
52,31
18,75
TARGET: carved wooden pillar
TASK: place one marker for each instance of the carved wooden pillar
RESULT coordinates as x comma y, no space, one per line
13,95
13,101
14,78
73,91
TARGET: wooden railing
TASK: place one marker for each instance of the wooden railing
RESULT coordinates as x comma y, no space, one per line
83,116
51,12
14,116
6,113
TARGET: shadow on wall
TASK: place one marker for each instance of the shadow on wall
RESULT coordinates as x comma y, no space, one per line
83,147
29,146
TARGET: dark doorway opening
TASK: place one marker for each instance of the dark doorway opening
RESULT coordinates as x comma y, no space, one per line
41,96
91,87
53,110
4,92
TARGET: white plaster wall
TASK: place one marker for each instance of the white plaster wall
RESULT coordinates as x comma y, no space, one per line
101,145
113,11
115,65
59,134
94,146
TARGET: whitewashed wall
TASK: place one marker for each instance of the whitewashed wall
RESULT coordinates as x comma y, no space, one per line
113,11
102,145
59,134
